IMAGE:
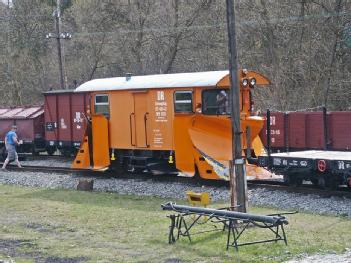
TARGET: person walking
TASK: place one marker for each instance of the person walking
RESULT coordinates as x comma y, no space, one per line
11,140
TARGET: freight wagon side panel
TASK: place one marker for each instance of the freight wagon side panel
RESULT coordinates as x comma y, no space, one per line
64,121
297,130
25,130
50,116
340,130
79,107
39,127
5,126
277,131
314,130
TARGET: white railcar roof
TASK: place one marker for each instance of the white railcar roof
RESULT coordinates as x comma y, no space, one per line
178,80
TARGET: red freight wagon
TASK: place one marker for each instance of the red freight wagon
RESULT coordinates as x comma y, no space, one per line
277,121
65,120
340,130
30,124
297,130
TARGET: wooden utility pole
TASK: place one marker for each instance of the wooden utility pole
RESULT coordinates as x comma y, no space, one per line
58,38
237,178
59,35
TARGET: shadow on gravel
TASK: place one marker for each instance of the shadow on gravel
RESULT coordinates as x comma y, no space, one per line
12,248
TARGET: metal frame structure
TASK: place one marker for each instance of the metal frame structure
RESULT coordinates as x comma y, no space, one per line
235,222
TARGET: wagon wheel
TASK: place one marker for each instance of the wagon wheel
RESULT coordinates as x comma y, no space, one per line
349,182
50,150
291,179
3,153
325,182
34,152
314,181
66,152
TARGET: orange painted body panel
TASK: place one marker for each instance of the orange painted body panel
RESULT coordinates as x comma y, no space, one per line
141,119
101,156
121,122
182,143
82,160
212,137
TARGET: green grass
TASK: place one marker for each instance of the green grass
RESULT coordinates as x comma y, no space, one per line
37,224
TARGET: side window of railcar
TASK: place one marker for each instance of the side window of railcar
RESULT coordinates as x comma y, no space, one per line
183,101
101,104
215,102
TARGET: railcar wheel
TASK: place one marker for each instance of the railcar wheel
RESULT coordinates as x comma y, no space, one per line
34,152
50,150
349,182
322,182
327,183
3,153
292,180
66,153
314,181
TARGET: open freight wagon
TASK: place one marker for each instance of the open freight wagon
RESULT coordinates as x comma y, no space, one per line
30,123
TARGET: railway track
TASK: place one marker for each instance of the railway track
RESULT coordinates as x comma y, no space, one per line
276,185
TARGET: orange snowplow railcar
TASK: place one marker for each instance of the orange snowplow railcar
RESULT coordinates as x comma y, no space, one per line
169,121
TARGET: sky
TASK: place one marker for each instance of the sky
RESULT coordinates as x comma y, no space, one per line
5,1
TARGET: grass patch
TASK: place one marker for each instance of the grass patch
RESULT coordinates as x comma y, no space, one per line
61,226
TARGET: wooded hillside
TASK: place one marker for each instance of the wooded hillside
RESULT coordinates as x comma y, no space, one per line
303,46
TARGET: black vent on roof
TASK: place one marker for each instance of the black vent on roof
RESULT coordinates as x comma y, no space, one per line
128,76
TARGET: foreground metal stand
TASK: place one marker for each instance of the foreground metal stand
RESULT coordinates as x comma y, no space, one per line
235,222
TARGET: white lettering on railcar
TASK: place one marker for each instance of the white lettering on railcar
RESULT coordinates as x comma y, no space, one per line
78,119
160,95
294,163
272,120
62,124
161,107
277,161
303,163
341,165
158,138
274,132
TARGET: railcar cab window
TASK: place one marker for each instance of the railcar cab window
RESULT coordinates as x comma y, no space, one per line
183,101
101,104
215,102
